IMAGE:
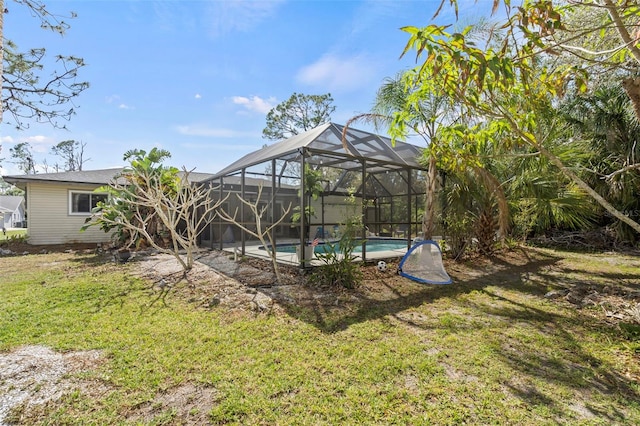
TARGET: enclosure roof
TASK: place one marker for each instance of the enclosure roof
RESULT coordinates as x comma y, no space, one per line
326,140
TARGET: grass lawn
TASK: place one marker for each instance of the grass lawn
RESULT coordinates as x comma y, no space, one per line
488,349
13,233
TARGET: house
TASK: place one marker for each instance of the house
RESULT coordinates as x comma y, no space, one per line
58,204
12,214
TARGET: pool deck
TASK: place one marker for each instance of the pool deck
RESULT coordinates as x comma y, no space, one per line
252,248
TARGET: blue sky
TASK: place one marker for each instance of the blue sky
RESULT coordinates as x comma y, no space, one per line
198,77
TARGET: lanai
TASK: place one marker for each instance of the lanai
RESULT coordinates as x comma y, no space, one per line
381,183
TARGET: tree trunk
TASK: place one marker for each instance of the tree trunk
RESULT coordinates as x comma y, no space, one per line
428,219
631,85
584,186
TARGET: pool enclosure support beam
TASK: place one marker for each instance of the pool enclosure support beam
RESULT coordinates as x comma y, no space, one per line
363,217
212,216
273,203
221,191
303,218
409,221
243,176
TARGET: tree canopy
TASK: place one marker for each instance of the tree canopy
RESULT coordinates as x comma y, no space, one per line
298,114
32,90
508,85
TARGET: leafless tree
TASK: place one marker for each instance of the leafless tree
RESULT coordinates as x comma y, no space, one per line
179,210
262,232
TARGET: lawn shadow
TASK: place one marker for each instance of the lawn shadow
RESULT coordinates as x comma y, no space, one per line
565,361
389,296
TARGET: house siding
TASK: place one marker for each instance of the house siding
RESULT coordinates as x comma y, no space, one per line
49,221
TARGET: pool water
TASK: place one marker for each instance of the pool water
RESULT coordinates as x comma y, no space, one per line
373,245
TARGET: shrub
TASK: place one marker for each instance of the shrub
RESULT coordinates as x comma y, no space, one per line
338,261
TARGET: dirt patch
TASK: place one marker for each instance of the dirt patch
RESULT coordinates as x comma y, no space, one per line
35,375
186,405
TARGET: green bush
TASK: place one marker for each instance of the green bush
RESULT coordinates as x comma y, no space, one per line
338,261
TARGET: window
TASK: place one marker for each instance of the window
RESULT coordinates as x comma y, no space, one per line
82,202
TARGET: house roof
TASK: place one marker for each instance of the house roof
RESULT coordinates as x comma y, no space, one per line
326,139
95,177
10,203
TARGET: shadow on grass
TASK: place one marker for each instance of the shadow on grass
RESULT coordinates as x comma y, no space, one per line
404,294
153,296
564,361
543,347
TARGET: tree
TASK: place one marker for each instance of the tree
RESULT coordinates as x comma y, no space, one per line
298,114
155,204
505,88
261,232
605,123
28,93
8,189
23,157
423,119
72,152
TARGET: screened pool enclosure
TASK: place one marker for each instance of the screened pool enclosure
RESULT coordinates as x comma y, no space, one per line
381,184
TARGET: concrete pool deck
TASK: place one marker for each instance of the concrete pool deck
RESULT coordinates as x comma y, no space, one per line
252,248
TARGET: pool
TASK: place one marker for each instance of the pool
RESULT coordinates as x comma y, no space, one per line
373,245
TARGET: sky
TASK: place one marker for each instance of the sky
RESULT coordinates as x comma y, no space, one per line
197,78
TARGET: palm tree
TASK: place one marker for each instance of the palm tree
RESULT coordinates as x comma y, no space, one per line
423,120
605,121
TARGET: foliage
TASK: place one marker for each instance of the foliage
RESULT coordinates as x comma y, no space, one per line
31,88
604,123
13,236
313,189
72,153
23,157
339,267
422,118
298,114
506,89
155,204
8,189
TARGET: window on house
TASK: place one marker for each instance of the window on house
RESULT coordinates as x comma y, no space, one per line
82,202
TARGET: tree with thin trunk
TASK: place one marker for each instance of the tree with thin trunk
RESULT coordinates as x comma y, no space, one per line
262,232
156,204
23,157
72,153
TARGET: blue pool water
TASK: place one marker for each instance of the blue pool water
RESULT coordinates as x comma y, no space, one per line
373,245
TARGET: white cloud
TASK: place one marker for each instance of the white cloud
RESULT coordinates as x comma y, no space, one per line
39,143
255,103
238,15
124,106
338,74
217,132
198,96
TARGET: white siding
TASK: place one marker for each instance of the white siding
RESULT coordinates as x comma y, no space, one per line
48,218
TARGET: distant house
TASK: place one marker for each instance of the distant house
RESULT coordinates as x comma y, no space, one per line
57,204
12,212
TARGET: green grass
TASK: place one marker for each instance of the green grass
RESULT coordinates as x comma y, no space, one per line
12,234
486,350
